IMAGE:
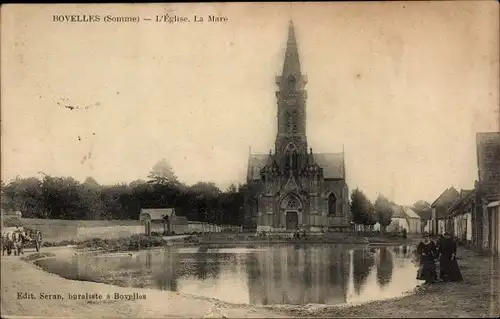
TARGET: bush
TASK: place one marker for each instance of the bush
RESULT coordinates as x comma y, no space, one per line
134,242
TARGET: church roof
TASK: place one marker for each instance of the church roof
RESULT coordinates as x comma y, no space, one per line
331,163
256,162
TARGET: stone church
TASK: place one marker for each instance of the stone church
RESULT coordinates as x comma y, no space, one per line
293,187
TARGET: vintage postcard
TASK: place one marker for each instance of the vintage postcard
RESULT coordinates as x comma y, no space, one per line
231,160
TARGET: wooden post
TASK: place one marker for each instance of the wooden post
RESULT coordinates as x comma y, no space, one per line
147,226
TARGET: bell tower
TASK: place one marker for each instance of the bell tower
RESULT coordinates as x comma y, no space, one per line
291,140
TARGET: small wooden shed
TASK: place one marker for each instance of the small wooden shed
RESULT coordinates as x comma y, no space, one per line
164,215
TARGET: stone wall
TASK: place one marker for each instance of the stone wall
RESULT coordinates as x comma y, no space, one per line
54,230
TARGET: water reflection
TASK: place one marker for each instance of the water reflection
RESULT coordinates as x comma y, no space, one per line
363,261
384,266
285,274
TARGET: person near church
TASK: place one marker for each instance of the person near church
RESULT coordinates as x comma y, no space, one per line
427,252
448,265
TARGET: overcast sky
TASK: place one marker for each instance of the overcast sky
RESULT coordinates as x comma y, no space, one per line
403,86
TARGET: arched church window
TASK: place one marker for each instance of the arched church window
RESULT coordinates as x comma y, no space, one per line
294,122
289,122
291,157
314,181
291,82
292,204
332,204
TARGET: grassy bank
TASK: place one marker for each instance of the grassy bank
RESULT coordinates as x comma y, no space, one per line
332,238
134,242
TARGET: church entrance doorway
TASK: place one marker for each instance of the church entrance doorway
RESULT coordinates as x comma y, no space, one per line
292,220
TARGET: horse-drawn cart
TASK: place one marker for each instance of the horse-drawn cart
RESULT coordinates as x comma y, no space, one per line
17,238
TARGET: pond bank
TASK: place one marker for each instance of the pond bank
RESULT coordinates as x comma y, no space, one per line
477,296
20,277
137,242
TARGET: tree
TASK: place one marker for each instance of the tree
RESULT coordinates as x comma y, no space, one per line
384,212
362,209
232,189
385,267
91,182
62,197
91,203
424,210
137,182
25,195
162,173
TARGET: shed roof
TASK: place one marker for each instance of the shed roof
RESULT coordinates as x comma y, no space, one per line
404,212
156,213
398,212
180,220
411,213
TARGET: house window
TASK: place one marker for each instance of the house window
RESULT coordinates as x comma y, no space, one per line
332,204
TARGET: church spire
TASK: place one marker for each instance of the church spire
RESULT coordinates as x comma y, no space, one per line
292,63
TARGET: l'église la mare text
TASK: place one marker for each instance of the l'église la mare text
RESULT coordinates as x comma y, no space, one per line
210,18
174,18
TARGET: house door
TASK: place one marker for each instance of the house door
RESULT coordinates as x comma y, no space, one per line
493,231
490,230
292,220
166,226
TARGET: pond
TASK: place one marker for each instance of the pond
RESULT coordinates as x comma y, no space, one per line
265,275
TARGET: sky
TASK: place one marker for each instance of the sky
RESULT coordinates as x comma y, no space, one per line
402,87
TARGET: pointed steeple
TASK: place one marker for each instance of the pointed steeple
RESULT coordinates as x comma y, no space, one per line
292,63
343,162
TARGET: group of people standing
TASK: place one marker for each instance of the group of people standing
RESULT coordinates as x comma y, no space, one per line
444,250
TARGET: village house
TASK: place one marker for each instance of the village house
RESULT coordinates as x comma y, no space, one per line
403,218
439,218
486,212
459,215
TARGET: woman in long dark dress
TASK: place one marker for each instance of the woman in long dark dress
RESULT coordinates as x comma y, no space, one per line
448,266
427,252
